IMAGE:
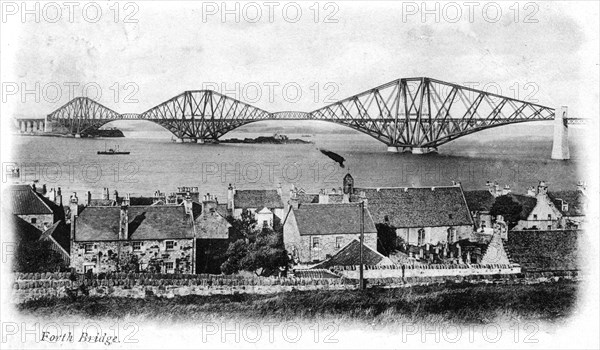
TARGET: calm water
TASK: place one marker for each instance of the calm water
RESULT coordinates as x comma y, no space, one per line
159,164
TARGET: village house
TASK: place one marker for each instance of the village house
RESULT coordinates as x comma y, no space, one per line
538,210
480,203
159,238
266,205
36,214
572,205
420,215
315,232
32,206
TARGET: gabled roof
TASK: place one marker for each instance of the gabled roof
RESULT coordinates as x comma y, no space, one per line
212,225
249,199
349,255
149,222
99,202
576,201
23,200
527,204
265,210
479,200
327,219
22,230
145,222
418,206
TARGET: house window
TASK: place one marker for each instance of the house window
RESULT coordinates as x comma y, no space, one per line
88,248
482,224
338,241
170,245
449,216
534,216
316,242
265,223
137,246
451,235
386,219
33,220
169,266
549,227
421,237
549,216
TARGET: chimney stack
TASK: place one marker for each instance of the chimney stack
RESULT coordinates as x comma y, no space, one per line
230,196
124,219
44,190
105,193
531,191
279,191
187,203
59,197
323,197
115,194
73,208
89,198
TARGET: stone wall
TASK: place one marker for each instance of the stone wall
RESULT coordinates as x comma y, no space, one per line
433,270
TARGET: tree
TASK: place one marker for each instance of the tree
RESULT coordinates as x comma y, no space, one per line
386,239
262,252
508,208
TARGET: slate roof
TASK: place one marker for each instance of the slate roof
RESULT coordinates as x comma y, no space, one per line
156,222
22,200
527,204
479,200
212,226
327,219
247,199
22,230
349,255
418,206
146,222
575,199
99,202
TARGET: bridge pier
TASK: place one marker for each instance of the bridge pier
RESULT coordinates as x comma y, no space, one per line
392,149
423,150
77,136
560,143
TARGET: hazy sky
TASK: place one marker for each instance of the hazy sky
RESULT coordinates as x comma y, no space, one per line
187,46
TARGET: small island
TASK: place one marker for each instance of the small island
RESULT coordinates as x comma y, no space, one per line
275,139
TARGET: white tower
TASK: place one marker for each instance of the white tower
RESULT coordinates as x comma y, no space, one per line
560,145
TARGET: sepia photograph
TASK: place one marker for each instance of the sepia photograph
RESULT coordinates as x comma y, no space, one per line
299,174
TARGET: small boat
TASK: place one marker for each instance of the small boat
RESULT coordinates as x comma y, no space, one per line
111,151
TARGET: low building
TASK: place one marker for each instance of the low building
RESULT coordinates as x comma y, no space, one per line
572,204
421,215
349,255
315,232
538,210
480,203
266,205
27,203
158,238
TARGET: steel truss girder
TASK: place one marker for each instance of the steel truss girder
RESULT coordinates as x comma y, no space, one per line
411,112
424,112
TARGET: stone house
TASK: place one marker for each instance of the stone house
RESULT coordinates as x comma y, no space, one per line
33,207
421,215
572,204
266,205
538,210
315,232
480,203
159,238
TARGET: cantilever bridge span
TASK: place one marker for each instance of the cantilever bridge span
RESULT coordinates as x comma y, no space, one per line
412,114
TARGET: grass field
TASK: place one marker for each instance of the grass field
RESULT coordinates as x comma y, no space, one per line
459,303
